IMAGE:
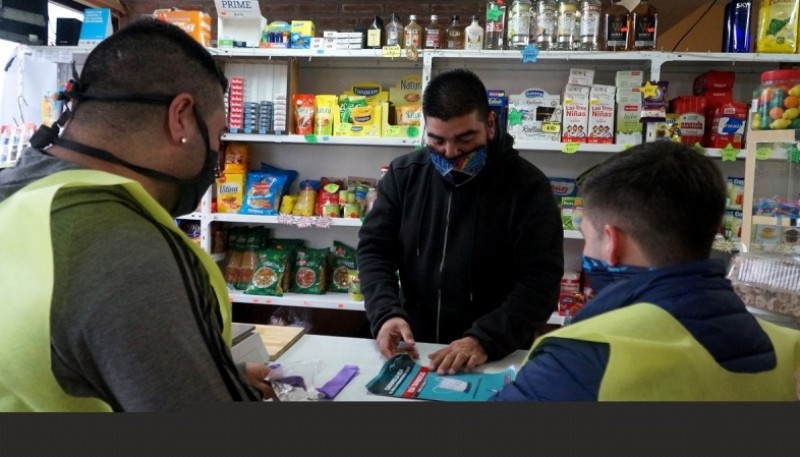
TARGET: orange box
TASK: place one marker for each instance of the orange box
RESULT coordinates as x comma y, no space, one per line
196,23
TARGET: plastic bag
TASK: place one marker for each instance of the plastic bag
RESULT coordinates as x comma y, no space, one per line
296,381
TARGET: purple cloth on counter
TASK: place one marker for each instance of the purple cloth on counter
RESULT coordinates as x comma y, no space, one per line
332,388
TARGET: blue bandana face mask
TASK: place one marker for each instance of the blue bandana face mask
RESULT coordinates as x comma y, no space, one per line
463,168
600,274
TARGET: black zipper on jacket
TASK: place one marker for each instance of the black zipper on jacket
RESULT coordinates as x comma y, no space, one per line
441,265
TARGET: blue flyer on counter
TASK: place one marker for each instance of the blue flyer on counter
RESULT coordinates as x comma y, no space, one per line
402,377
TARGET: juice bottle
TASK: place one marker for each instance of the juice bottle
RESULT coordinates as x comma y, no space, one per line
394,32
455,34
616,20
644,27
473,35
434,34
412,32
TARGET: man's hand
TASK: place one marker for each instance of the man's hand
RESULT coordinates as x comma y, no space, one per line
392,333
465,354
256,377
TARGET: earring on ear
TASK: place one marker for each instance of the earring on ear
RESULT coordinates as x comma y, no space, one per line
183,140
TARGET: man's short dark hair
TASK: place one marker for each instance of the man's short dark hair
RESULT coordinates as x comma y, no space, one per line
453,94
666,196
147,57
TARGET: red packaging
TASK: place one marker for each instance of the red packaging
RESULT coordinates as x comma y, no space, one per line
570,287
727,125
692,118
713,80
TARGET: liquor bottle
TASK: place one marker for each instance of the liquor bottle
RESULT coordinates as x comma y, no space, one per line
566,25
546,23
495,24
644,27
375,33
473,35
576,32
616,20
590,25
394,32
519,24
412,33
434,34
455,34
740,26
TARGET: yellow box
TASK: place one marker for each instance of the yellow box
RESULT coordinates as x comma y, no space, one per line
371,128
230,192
301,34
390,130
196,23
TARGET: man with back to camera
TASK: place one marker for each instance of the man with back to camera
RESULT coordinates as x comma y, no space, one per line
473,230
666,323
106,304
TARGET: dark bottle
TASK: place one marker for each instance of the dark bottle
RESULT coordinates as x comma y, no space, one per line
644,27
375,33
740,26
455,34
616,20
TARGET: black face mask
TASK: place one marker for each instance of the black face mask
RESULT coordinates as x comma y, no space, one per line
191,190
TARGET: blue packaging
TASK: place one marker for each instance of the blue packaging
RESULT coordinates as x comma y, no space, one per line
736,30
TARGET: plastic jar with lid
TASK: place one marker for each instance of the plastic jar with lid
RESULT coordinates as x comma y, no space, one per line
776,101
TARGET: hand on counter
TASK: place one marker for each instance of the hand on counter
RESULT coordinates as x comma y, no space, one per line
257,374
393,332
465,354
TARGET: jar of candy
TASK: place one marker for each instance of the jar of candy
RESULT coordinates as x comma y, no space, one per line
776,101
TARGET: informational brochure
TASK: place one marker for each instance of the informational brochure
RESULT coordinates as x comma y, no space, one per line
402,377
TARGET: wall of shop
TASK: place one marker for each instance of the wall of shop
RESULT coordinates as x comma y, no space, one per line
676,17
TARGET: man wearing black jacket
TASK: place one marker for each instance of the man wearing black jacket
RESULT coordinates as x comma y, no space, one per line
473,230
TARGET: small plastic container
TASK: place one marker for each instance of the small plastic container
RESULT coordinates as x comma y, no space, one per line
776,101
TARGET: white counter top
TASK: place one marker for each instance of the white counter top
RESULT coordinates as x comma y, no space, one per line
335,352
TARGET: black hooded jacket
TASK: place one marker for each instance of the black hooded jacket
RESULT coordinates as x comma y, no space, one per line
484,259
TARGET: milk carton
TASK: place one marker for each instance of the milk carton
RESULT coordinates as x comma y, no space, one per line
576,114
601,114
535,115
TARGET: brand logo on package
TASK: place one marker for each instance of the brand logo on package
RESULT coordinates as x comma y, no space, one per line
238,8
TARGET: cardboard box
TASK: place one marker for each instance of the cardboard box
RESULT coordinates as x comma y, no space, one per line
230,192
239,22
571,212
196,23
601,115
629,109
541,116
576,114
301,34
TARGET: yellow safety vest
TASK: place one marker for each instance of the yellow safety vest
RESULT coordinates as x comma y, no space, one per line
26,287
653,357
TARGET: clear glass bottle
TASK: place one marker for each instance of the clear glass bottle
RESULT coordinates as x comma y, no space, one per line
576,34
546,23
412,33
519,24
495,24
455,34
590,25
616,20
434,34
394,32
375,33
473,35
644,27
565,25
